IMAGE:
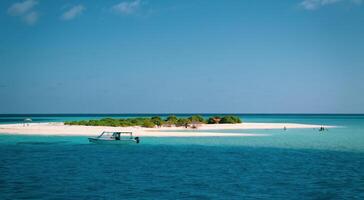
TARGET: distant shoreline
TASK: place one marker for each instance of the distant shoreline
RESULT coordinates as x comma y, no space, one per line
163,114
59,129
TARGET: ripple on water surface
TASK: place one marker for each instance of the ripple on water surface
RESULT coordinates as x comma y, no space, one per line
285,165
74,170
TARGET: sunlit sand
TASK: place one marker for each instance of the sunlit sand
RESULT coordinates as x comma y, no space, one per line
202,131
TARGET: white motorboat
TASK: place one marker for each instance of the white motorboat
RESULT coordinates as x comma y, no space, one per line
115,138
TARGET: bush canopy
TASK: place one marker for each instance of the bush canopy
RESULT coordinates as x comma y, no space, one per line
157,121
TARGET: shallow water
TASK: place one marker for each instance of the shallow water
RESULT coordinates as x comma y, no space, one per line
292,164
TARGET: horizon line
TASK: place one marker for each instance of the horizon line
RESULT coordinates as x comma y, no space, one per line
180,113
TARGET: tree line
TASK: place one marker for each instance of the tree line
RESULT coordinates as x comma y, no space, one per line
157,121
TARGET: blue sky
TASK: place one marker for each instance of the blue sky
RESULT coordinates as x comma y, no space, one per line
139,56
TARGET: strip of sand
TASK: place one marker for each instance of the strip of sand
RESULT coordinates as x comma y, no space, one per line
203,130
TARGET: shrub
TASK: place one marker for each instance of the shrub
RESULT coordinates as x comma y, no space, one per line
148,124
172,119
197,118
157,120
214,120
183,122
229,119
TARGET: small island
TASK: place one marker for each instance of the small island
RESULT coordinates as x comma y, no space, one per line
156,121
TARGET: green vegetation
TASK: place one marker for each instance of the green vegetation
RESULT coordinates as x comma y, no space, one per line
157,121
172,119
183,122
214,120
148,123
197,119
229,119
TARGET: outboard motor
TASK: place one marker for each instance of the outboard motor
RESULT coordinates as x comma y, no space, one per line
137,140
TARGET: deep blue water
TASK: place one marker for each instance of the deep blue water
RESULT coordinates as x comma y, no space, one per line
333,119
296,164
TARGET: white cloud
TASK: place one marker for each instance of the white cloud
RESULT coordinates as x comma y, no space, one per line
31,18
25,11
316,4
127,8
73,12
22,7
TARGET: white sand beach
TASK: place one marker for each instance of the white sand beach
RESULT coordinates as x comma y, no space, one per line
59,129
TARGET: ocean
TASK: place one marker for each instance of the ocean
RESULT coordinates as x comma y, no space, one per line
292,164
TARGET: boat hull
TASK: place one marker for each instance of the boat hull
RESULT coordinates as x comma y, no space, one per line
122,141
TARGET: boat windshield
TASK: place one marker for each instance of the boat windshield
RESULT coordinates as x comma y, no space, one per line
115,135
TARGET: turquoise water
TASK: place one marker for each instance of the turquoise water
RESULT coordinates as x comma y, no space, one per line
292,164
